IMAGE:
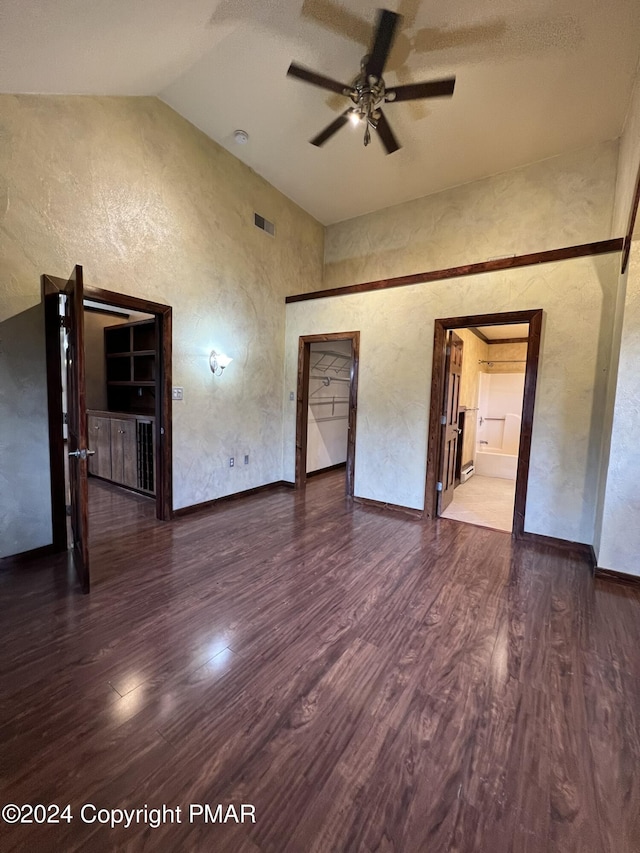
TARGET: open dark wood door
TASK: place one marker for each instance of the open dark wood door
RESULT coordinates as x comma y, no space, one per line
449,421
77,426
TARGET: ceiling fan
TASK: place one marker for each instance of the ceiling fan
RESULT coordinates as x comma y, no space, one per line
368,91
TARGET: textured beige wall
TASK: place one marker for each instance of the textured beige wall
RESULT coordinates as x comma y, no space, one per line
558,202
395,380
151,207
612,485
561,201
619,540
25,505
628,164
509,358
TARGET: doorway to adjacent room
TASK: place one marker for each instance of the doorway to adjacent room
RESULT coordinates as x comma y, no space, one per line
481,417
326,405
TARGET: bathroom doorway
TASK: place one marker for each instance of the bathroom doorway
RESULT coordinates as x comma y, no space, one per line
483,391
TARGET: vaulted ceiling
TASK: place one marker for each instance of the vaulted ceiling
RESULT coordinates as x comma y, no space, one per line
534,79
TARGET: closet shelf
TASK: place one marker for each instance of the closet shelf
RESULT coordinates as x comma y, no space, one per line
326,361
129,354
143,383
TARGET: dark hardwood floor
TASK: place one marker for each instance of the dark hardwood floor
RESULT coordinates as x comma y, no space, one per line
368,681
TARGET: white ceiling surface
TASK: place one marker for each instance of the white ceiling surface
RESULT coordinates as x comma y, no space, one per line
535,78
507,330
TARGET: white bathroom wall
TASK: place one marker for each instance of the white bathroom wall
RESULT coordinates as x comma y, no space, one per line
500,394
328,421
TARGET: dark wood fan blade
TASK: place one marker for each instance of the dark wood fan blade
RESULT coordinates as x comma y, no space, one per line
334,127
316,79
414,91
386,134
387,23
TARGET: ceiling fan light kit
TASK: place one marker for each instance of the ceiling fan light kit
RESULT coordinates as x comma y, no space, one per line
368,91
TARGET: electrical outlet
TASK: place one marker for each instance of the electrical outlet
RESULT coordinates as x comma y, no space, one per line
246,459
292,396
176,393
232,462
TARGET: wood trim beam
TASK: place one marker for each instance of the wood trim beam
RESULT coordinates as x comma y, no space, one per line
508,341
123,300
626,250
435,410
602,247
164,416
526,426
479,334
302,405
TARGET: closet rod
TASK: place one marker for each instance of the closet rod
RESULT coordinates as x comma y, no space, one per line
503,361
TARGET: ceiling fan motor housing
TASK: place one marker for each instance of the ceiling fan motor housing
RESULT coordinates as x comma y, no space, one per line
368,91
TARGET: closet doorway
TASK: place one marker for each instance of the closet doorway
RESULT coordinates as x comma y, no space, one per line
326,405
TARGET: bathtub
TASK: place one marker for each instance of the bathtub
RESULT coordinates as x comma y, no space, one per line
493,462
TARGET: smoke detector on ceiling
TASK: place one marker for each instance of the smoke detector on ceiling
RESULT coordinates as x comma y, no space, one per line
241,136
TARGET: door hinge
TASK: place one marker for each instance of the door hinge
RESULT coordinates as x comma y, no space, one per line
448,351
443,420
65,322
438,487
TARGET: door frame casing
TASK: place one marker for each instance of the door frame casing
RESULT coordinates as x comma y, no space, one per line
52,286
442,326
452,340
302,404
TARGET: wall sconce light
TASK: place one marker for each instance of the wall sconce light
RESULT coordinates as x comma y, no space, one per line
218,361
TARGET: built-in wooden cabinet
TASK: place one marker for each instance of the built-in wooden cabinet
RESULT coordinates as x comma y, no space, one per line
124,452
124,449
99,435
130,352
123,437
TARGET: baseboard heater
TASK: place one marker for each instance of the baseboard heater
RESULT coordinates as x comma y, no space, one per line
467,472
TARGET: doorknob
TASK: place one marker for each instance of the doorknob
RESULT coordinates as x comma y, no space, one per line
82,454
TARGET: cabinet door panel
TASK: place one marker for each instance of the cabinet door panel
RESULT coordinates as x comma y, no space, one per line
130,454
124,468
99,439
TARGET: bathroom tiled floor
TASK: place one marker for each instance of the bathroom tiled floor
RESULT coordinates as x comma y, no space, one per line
487,501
